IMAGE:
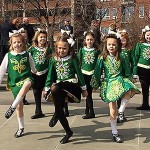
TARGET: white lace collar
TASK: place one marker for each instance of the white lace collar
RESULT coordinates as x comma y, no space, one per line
89,49
146,44
15,53
64,58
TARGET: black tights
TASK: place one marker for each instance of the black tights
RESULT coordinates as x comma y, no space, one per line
59,102
89,101
144,76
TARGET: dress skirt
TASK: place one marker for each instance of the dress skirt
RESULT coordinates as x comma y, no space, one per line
114,88
73,91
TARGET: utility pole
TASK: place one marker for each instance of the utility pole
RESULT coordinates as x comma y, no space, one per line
3,9
24,8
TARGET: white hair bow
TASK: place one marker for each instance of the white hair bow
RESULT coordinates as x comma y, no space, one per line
21,30
147,28
71,41
63,31
123,31
13,32
116,33
85,32
39,29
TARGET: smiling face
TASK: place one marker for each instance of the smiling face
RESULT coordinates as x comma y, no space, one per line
62,49
147,36
17,44
89,40
112,46
41,39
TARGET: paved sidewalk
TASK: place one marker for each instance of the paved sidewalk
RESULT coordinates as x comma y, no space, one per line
92,134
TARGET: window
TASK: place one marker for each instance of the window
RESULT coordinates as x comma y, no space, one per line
103,13
104,30
114,13
141,11
128,12
107,14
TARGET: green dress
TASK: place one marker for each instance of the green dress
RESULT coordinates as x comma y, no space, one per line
116,80
19,71
65,70
142,56
40,58
88,58
130,57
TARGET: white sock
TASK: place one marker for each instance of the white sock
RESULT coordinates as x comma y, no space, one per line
113,124
123,105
16,101
21,122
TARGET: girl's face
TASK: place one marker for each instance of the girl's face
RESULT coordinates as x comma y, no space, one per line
147,36
62,49
41,39
17,44
123,41
112,46
89,40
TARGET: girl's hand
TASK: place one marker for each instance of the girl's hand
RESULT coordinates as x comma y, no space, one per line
84,93
44,94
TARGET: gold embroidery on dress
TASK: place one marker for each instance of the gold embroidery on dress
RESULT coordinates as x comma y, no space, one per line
19,66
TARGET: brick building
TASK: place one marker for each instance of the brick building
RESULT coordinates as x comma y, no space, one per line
80,12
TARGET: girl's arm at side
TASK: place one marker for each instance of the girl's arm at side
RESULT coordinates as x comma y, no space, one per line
79,73
3,67
51,77
33,69
95,81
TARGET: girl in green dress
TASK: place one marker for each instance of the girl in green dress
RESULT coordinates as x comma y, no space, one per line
116,83
128,52
19,64
41,53
142,55
88,55
61,81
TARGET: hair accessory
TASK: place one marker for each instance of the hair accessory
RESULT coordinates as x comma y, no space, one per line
64,31
71,41
123,31
116,33
147,28
21,30
85,32
13,32
39,29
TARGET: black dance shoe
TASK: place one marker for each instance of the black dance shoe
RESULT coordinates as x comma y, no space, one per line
53,121
36,116
9,112
143,108
66,138
117,138
89,116
19,133
121,118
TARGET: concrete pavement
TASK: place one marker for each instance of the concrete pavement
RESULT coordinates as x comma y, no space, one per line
92,134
